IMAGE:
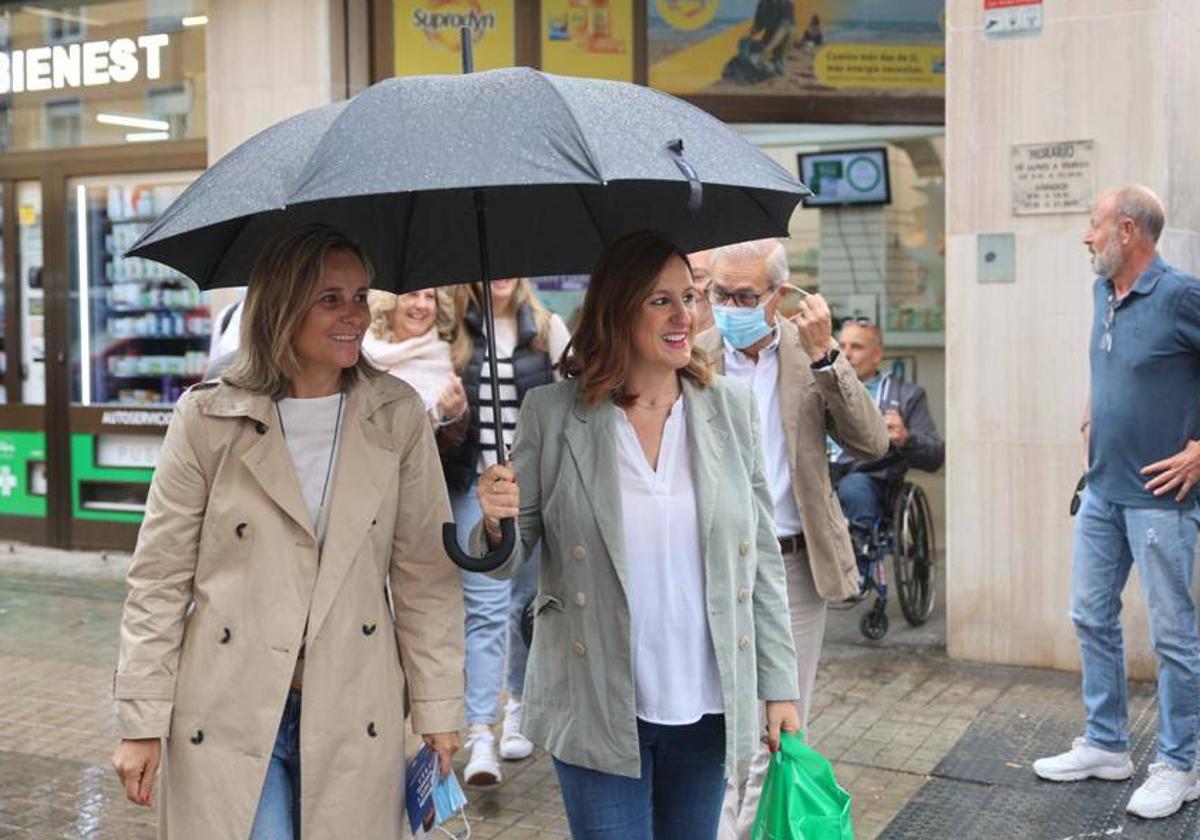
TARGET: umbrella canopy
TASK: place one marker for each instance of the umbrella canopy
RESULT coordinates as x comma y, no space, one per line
562,165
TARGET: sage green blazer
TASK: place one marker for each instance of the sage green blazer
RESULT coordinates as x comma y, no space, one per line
579,694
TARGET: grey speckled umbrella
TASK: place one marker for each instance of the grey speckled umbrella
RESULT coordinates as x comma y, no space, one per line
447,179
563,165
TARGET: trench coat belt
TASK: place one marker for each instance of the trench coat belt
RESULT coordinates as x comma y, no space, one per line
791,544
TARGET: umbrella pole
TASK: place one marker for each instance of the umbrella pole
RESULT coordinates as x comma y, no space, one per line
497,557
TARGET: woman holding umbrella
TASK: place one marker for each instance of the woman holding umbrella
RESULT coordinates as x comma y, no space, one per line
661,617
529,339
259,651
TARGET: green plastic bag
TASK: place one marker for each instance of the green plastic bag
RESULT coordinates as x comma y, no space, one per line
801,800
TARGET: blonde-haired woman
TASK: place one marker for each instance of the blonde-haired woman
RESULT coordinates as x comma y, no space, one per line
409,338
258,647
529,340
661,619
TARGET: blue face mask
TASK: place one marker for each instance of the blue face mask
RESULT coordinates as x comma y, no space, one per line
448,798
741,326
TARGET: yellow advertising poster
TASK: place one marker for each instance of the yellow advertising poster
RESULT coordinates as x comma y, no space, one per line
784,48
588,38
427,38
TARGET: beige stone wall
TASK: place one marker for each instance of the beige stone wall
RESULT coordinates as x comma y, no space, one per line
1122,73
270,59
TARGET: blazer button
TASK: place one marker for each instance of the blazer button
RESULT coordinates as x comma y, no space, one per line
579,648
744,548
580,600
226,635
261,428
198,737
579,552
368,629
240,530
743,594
371,729
744,642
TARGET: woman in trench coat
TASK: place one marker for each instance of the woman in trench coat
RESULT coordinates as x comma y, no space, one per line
260,655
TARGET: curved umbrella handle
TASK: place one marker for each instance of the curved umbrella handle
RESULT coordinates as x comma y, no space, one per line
490,561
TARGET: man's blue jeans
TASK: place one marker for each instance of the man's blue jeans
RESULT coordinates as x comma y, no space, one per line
678,794
1109,540
862,498
278,815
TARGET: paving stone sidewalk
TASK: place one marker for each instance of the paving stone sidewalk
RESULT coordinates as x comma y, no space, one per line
893,716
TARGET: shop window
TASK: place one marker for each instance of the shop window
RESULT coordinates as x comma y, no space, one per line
64,123
168,15
5,127
172,105
64,25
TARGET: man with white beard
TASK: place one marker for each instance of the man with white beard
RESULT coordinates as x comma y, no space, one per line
1139,507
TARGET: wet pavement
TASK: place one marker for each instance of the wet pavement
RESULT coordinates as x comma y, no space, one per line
928,747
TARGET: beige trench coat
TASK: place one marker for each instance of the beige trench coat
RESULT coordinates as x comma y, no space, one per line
225,579
813,405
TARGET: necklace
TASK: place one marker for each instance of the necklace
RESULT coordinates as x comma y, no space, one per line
337,427
656,406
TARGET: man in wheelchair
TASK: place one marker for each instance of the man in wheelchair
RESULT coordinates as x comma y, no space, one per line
888,516
864,487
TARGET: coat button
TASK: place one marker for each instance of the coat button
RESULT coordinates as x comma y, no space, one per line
198,737
744,642
261,428
743,594
371,729
580,600
240,530
579,552
226,635
744,548
579,648
368,629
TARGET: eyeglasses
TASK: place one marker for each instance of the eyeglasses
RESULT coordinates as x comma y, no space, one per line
741,298
1110,317
1077,499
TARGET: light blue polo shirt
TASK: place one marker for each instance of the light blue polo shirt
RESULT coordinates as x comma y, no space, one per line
1145,364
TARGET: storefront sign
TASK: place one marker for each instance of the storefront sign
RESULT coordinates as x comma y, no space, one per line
588,38
1011,17
89,64
22,454
738,47
1053,177
427,38
135,418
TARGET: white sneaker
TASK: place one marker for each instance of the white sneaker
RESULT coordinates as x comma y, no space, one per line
1164,792
1084,762
482,768
513,745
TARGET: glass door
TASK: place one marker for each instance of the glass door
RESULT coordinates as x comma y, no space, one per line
23,455
141,329
140,336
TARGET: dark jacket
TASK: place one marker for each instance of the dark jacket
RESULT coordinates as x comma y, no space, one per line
531,368
924,449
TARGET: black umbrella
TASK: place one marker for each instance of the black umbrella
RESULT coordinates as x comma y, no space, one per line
449,179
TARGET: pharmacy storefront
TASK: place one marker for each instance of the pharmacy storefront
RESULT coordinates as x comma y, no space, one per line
102,124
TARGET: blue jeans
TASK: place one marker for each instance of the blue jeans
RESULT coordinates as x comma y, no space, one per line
493,615
1109,539
678,794
278,815
862,499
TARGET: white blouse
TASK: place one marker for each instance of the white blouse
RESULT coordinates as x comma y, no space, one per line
675,668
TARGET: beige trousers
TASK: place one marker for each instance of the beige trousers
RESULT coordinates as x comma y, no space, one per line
808,629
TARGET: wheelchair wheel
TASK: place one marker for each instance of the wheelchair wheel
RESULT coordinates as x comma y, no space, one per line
914,552
874,625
